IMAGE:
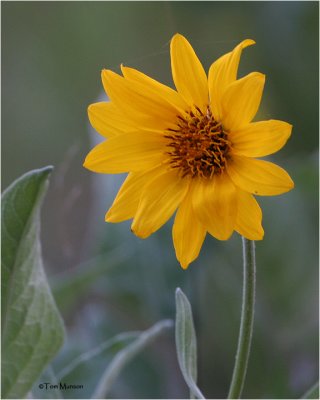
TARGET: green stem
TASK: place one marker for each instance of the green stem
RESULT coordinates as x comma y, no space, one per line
246,325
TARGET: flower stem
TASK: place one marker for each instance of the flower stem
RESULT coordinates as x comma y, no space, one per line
246,325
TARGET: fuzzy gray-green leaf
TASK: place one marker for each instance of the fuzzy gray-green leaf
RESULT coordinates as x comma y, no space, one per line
312,393
186,343
32,329
124,356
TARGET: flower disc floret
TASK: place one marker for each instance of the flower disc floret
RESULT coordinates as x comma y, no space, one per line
199,147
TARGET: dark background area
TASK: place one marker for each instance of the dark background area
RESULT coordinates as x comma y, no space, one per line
107,281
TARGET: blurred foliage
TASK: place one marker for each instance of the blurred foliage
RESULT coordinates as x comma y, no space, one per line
107,281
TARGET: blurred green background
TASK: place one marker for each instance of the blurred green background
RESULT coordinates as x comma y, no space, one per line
106,280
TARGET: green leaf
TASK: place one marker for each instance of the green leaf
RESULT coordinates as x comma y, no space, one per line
312,393
118,340
32,329
124,356
186,343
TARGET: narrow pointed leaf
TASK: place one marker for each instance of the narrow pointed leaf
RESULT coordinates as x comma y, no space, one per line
124,356
312,393
118,340
186,343
32,329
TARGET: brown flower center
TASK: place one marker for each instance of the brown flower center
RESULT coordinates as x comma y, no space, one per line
199,146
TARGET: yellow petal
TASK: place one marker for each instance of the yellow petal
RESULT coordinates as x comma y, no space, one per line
260,139
134,151
241,101
258,177
108,119
188,74
165,92
188,233
249,217
223,72
127,200
159,200
215,204
140,104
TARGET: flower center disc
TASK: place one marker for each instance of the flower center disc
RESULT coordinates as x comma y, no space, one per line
198,147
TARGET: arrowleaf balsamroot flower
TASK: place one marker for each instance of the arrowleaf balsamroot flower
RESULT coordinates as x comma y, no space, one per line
192,150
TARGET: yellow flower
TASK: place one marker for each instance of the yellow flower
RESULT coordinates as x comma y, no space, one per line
192,150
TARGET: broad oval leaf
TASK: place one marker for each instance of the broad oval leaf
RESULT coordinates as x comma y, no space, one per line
32,329
186,343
